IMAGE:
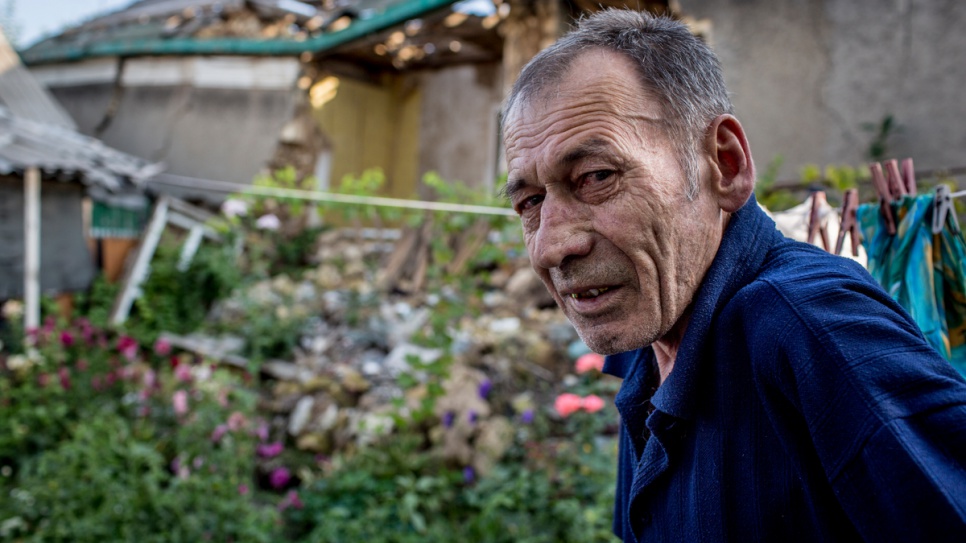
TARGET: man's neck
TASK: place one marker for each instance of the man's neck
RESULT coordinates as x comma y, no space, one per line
666,348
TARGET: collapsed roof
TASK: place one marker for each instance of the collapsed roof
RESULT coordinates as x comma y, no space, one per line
59,151
372,34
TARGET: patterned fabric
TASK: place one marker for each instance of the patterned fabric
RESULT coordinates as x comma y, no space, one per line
925,273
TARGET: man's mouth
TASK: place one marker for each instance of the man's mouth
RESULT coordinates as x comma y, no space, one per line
589,293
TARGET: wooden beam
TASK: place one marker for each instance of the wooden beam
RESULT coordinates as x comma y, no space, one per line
142,262
31,267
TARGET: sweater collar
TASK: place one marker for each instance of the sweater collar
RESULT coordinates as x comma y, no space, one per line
747,239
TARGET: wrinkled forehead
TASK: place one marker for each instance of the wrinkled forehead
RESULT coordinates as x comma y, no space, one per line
598,75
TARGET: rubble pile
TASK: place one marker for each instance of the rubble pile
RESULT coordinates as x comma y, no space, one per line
359,361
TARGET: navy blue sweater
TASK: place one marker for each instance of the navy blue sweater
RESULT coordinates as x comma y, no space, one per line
804,405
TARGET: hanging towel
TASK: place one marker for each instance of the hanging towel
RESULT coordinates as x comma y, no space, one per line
923,272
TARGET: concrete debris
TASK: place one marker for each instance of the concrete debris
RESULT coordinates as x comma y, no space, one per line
343,385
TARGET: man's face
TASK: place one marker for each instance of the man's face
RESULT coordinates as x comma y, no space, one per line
601,196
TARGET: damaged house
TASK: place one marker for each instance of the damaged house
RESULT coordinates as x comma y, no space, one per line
224,89
47,172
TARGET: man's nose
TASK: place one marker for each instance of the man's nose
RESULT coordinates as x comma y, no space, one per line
563,233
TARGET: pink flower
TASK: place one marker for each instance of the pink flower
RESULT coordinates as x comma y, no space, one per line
128,347
236,421
290,500
183,373
243,489
270,450
43,379
150,380
64,374
592,403
566,404
279,477
49,324
162,347
589,361
66,339
180,401
82,365
219,432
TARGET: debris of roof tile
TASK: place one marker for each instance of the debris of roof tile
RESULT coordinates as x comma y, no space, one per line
252,27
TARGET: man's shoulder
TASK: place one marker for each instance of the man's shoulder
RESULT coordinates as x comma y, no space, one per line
803,293
800,274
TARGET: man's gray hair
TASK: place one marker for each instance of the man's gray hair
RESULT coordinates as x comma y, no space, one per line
678,68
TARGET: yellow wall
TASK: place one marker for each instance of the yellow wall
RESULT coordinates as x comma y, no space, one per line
374,126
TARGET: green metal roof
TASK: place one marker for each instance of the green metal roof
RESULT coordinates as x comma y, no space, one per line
143,39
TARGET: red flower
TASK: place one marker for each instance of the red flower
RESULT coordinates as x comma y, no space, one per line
566,404
592,403
589,361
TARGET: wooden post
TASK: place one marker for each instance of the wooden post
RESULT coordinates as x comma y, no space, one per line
31,269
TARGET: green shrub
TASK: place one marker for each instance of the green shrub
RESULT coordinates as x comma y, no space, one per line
102,439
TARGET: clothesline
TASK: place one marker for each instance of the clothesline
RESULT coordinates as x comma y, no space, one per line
320,196
789,184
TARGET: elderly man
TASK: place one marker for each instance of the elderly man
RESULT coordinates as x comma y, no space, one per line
772,392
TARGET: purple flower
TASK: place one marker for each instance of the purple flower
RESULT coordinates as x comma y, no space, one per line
262,431
472,416
269,450
484,388
468,475
279,477
527,416
448,419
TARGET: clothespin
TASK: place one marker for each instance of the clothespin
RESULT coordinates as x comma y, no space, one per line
885,196
909,176
942,208
897,186
850,223
815,223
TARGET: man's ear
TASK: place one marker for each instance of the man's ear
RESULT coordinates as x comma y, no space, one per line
733,171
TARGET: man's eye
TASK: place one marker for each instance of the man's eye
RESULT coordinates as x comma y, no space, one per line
596,177
529,202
